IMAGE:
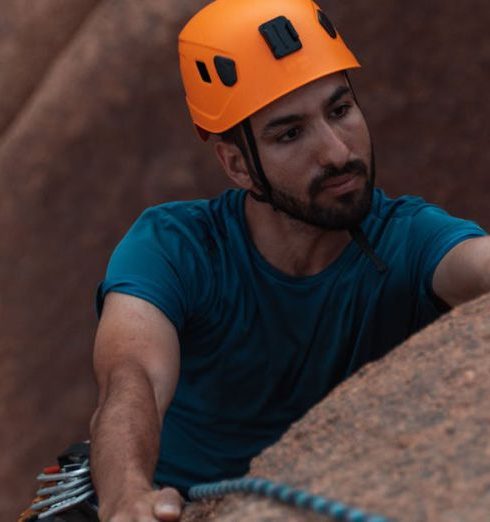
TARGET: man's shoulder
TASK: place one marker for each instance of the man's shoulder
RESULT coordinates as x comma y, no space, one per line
191,215
403,220
401,207
411,220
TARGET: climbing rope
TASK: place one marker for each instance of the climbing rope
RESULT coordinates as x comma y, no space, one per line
295,497
69,485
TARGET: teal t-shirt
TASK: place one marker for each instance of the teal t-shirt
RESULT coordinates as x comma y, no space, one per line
259,347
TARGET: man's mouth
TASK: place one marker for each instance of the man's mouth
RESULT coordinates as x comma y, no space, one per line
342,184
338,180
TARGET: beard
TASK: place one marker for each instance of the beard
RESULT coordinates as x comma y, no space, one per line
348,210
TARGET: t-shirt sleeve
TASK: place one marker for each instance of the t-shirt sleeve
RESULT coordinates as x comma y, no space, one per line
433,234
157,261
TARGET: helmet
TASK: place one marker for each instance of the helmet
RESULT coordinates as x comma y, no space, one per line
237,56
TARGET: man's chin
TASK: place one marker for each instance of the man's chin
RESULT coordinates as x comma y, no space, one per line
345,212
340,213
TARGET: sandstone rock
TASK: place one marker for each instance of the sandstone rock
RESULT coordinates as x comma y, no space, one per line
32,36
407,436
101,138
93,128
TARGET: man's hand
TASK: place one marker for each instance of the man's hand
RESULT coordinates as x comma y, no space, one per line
150,506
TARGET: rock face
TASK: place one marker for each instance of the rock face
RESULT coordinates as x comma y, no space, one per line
32,37
103,134
93,128
408,436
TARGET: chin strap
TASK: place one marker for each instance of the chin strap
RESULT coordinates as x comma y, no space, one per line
265,197
360,238
356,232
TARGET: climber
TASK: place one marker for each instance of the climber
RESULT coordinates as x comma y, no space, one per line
223,321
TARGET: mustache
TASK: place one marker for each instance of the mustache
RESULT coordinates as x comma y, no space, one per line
357,167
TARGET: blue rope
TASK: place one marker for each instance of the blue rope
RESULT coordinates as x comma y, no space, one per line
284,493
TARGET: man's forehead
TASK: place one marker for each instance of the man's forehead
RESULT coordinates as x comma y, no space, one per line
316,92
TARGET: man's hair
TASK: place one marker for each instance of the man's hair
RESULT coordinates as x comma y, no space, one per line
235,136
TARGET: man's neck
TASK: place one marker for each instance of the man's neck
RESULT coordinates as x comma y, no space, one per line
293,247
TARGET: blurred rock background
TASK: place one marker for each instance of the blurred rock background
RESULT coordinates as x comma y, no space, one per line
93,128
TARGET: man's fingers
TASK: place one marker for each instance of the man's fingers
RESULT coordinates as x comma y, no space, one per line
168,505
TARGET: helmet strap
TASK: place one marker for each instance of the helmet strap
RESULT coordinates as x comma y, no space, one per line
356,232
266,196
358,235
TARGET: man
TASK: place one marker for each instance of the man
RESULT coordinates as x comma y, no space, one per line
224,321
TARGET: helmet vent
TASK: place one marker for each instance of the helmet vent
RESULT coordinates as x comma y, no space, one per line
281,36
203,71
327,24
226,69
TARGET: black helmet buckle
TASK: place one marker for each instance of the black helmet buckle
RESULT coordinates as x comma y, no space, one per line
281,36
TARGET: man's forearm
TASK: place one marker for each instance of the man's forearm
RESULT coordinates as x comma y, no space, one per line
125,433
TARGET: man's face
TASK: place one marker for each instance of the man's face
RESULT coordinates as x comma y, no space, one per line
315,149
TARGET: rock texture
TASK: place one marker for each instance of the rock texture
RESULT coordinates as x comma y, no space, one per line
32,37
103,135
93,128
407,436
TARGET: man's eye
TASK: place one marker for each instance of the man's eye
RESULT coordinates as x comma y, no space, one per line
340,111
289,135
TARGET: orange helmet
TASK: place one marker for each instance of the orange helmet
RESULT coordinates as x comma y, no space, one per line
237,56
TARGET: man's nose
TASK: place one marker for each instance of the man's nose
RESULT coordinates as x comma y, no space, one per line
330,146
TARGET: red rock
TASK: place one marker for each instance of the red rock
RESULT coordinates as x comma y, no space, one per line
407,436
32,36
93,128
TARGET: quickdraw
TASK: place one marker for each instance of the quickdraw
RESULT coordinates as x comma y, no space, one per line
63,487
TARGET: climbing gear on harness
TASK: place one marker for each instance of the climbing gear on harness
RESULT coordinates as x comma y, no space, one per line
282,492
64,487
238,56
71,487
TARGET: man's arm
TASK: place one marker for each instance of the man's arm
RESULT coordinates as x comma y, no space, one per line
464,272
137,364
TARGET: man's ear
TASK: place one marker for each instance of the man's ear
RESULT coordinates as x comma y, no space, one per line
231,158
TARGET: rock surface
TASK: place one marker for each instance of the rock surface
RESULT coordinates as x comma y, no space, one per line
407,436
102,136
93,128
32,37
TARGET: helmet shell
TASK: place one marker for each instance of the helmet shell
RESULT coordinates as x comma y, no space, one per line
229,31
